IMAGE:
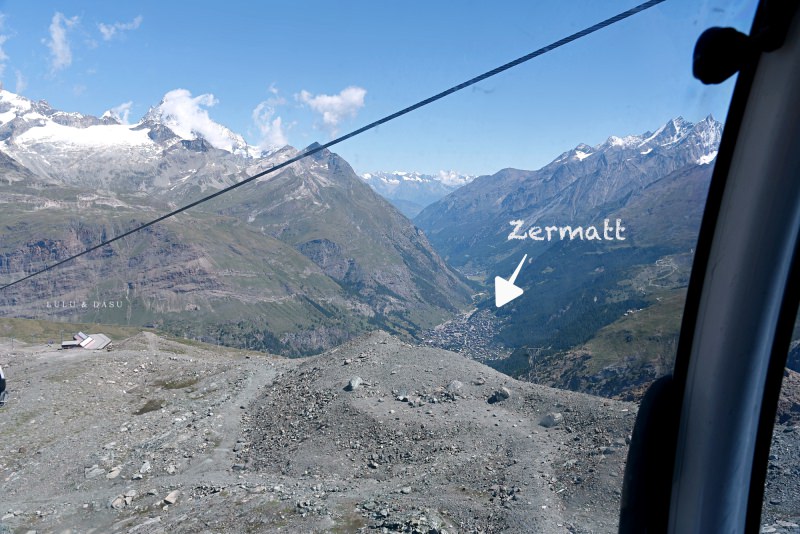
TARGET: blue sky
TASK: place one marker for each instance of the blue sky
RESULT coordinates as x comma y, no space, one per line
301,72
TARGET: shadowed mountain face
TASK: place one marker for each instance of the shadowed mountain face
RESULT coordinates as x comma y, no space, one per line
654,184
295,262
470,227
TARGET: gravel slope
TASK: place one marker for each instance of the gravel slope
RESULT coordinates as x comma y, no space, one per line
158,436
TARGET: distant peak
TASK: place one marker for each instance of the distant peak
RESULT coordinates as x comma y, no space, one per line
317,156
703,135
110,118
153,114
187,117
312,146
448,178
679,122
709,120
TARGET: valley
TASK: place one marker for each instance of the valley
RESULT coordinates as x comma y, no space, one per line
643,197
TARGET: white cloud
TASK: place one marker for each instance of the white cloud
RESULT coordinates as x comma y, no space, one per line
3,55
58,43
187,117
270,127
3,39
334,108
110,30
121,112
22,83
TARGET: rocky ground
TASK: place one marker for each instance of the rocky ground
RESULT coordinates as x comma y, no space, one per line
782,492
374,436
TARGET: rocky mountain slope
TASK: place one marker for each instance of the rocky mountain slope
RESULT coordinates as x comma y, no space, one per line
294,263
411,192
163,436
175,437
71,149
581,187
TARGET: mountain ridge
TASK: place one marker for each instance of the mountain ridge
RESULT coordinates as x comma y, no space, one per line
294,262
576,180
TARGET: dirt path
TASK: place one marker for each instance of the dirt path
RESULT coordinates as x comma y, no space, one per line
222,457
82,428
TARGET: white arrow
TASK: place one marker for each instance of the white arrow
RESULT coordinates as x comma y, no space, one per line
504,290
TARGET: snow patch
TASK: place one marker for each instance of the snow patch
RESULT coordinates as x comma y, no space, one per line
623,141
92,136
658,132
708,158
15,101
32,116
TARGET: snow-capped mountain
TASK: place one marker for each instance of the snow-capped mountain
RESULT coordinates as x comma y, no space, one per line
577,187
697,142
166,150
410,192
296,261
193,124
673,145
